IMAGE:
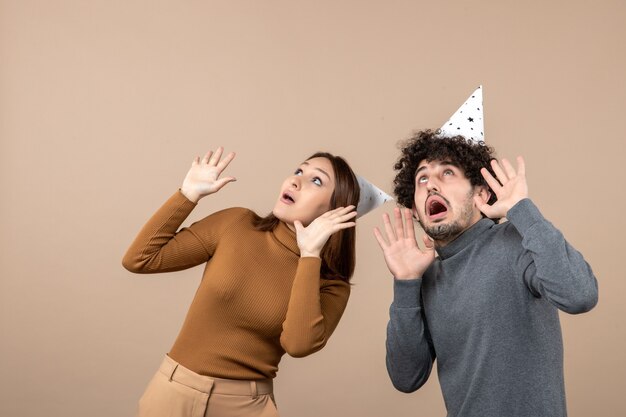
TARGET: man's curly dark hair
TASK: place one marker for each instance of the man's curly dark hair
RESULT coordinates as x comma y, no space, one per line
429,145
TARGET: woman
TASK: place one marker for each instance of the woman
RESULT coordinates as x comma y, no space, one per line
270,285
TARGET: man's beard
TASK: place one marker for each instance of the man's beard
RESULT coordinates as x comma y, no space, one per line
443,233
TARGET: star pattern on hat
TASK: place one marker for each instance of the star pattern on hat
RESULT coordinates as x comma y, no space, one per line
371,197
467,121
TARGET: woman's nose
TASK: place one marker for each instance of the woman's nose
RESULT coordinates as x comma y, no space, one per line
295,182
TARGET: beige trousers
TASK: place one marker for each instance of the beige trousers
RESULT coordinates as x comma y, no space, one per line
176,391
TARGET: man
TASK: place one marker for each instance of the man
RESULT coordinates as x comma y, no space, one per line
487,306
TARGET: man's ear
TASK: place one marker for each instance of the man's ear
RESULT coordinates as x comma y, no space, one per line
483,193
414,211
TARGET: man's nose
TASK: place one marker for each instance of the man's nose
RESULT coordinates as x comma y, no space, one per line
432,184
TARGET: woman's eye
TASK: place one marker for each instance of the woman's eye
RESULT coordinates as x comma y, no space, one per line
317,181
298,172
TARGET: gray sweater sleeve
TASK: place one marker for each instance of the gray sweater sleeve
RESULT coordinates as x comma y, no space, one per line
551,267
410,355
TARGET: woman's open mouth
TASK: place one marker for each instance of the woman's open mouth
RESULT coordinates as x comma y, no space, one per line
287,198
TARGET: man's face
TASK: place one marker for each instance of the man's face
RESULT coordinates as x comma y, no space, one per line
443,200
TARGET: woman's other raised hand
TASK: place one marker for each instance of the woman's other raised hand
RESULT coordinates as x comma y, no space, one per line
203,178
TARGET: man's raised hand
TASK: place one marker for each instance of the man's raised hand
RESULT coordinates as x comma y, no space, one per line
510,189
403,256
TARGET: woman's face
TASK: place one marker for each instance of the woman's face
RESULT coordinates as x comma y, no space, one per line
305,195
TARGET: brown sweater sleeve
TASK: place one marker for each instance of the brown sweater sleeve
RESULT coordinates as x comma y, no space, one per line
314,310
160,248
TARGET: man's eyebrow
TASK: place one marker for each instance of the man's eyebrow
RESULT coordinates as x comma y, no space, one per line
449,163
318,169
423,167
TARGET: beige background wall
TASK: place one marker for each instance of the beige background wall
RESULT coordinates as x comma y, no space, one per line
103,104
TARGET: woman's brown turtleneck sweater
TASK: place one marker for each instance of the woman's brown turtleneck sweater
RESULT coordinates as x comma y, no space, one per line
257,299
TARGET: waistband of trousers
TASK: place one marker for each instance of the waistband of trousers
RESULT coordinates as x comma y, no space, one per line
176,372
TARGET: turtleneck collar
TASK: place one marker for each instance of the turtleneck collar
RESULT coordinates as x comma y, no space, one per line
286,237
465,239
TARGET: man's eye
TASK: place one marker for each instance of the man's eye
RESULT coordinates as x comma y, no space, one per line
448,172
317,181
422,180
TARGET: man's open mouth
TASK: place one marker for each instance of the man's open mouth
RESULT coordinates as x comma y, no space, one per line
436,207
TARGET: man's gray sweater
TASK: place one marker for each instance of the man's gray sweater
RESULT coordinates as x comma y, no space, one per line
486,309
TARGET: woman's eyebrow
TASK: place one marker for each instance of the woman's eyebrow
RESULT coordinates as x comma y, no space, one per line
319,169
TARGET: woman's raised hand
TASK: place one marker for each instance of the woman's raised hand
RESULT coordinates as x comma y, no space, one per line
203,177
311,239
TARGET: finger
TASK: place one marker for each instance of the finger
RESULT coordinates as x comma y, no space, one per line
391,236
347,209
341,226
339,211
298,225
195,161
222,182
380,239
429,244
482,206
491,181
345,217
216,156
499,172
207,156
331,213
398,220
521,167
510,171
408,221
224,162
